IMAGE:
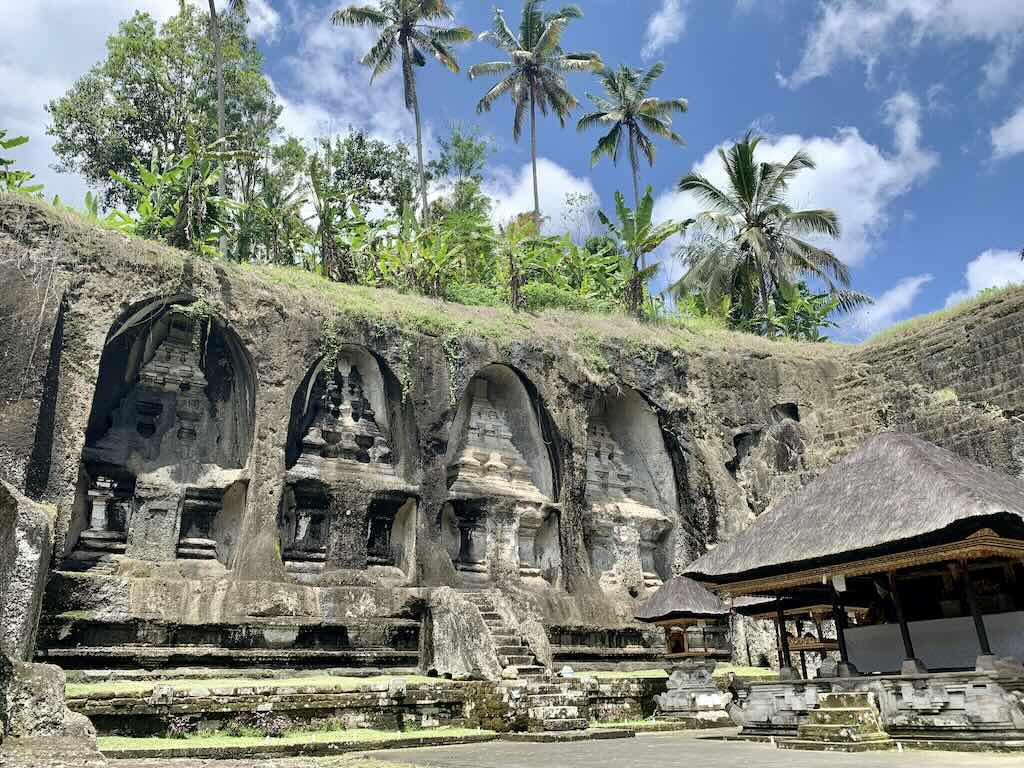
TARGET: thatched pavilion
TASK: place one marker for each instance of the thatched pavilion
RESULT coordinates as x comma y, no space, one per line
695,620
933,545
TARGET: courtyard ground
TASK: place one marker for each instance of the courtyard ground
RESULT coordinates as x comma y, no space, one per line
645,751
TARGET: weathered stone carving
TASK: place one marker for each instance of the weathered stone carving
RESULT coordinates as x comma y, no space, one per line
625,531
345,488
692,695
491,491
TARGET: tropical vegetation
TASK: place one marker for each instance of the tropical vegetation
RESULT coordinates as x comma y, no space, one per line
178,133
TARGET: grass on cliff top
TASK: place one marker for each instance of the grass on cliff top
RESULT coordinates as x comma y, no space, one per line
368,736
912,325
391,309
145,687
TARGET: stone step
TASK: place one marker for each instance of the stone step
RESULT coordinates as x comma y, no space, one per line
818,746
510,649
520,660
576,699
490,616
845,700
533,670
850,717
567,712
839,733
575,724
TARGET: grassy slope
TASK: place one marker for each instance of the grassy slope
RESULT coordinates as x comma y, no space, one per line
295,287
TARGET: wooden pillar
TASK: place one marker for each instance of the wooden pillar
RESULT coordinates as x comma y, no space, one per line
803,654
780,620
972,602
908,642
839,616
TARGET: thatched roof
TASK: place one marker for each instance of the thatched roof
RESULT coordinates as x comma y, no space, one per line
681,598
894,492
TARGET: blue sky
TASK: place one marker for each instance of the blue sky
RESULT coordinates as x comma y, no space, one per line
914,110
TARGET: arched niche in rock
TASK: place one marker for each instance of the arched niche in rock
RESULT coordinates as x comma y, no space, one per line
632,492
167,441
501,520
349,503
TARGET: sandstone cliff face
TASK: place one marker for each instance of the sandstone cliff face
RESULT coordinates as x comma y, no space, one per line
741,420
25,541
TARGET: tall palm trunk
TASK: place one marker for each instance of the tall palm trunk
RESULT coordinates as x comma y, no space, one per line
218,59
533,157
633,164
410,84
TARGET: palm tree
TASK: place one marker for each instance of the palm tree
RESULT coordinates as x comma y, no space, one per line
637,236
407,26
630,112
239,7
533,77
752,241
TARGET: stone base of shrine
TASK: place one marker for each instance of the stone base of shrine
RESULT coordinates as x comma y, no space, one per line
945,708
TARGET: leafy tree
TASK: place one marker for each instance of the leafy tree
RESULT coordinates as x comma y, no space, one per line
752,244
408,27
637,236
796,313
462,159
152,84
532,73
369,173
632,115
235,6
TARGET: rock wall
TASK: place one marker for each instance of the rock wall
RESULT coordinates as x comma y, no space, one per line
25,542
739,421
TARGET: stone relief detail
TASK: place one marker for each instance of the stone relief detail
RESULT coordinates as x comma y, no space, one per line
490,471
625,531
346,463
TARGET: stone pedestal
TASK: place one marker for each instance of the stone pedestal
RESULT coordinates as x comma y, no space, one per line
692,696
155,524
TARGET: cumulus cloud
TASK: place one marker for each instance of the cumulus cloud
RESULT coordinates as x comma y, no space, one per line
892,305
857,179
990,269
864,30
665,27
512,191
1008,137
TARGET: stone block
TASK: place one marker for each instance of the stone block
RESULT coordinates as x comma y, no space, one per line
32,704
154,526
25,541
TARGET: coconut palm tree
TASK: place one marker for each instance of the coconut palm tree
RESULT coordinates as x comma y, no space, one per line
408,28
632,115
532,73
753,239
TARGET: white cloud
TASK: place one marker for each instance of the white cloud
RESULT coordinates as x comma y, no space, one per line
891,306
857,179
991,269
512,191
263,19
864,30
665,27
1008,137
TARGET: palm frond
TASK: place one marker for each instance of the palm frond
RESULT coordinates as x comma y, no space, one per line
360,16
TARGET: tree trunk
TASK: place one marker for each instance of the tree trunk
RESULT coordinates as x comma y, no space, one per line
533,157
218,58
636,187
410,84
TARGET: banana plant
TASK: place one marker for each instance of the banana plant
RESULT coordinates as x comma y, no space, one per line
639,236
10,179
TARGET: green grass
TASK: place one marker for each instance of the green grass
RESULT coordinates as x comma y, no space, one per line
914,324
215,740
721,670
583,332
145,687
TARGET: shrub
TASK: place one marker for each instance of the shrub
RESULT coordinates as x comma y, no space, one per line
271,724
181,726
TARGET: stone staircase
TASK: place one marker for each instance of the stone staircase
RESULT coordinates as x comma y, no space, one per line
555,705
842,722
513,650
